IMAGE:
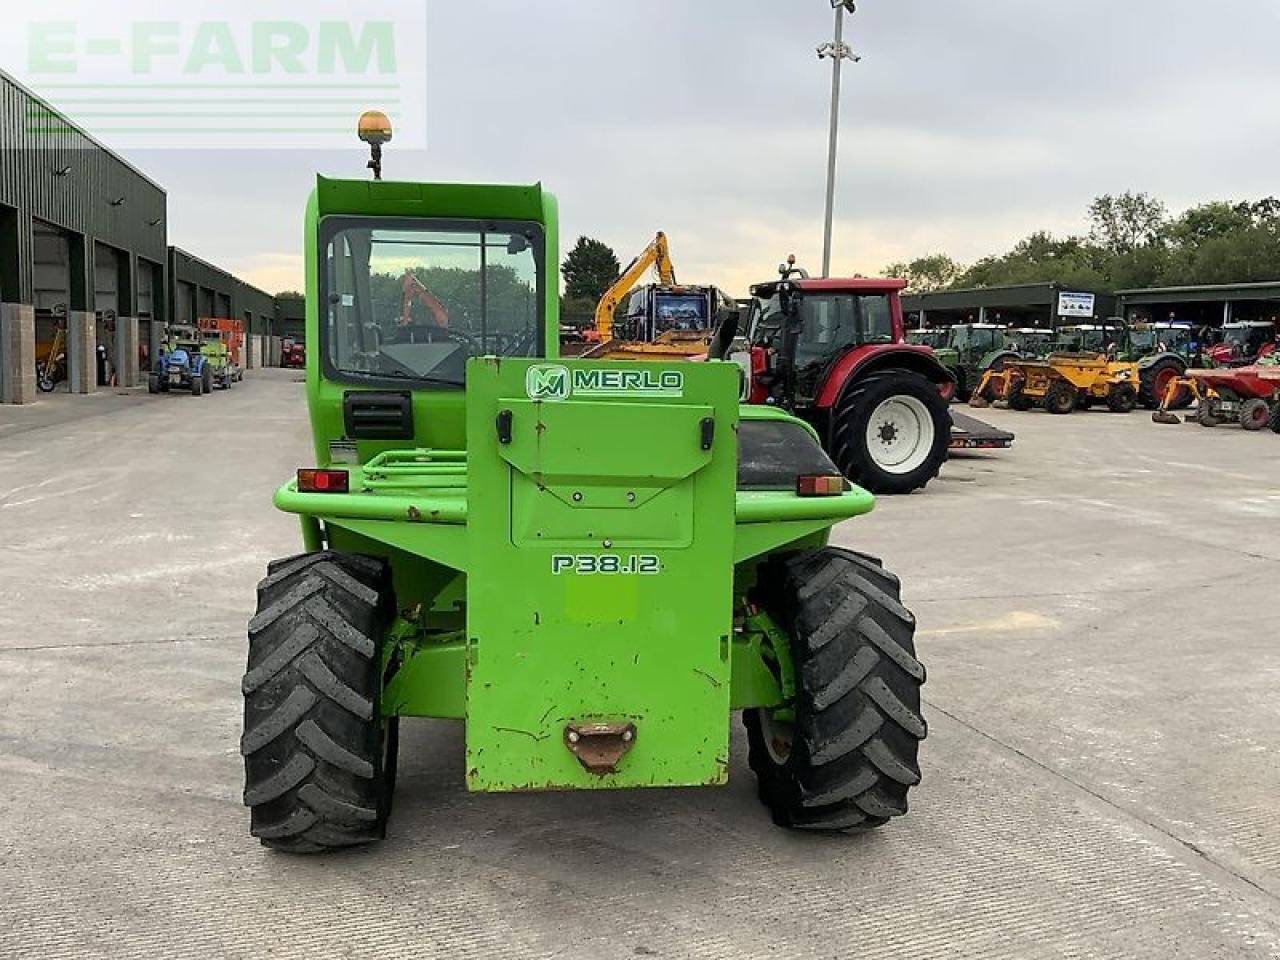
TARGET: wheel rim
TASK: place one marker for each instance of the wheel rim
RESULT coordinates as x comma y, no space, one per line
1163,379
900,434
778,736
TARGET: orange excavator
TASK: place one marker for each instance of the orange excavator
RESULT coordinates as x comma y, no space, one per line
414,289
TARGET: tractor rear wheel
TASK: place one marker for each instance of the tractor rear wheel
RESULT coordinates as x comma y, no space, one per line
891,432
1254,414
1153,383
845,755
1060,397
1122,398
319,760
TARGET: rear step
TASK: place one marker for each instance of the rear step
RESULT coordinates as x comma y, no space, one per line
970,433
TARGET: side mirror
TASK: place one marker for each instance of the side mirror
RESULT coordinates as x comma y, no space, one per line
724,336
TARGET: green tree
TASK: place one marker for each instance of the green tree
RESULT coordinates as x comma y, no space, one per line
589,269
1039,258
923,274
577,311
1124,222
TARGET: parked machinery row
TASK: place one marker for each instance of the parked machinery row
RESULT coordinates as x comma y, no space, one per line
198,357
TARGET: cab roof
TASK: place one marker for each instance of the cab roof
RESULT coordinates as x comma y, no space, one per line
834,285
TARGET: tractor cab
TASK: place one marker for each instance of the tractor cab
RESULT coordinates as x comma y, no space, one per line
1164,337
927,337
1086,338
1030,342
1244,341
978,338
802,327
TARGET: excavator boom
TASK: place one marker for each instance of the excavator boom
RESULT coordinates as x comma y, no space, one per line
655,256
413,289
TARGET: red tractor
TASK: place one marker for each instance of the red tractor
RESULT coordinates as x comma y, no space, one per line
292,353
834,353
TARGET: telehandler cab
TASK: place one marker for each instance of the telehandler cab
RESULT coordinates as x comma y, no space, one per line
590,563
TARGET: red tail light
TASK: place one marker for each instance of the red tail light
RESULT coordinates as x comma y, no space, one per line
819,486
323,481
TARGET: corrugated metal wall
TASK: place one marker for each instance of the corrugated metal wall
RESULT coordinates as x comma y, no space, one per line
52,172
68,206
212,291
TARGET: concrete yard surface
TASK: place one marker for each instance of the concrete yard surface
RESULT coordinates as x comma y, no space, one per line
1095,609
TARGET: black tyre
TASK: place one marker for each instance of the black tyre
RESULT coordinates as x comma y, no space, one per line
1206,415
964,384
197,386
45,384
153,383
1061,397
891,432
1255,413
206,378
1154,380
319,761
1273,421
1122,398
847,755
1017,400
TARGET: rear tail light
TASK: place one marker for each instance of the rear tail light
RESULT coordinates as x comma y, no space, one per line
323,481
819,486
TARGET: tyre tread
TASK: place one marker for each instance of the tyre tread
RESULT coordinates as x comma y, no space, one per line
858,717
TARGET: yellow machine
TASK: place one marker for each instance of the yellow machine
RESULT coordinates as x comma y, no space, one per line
660,321
1061,383
656,256
51,360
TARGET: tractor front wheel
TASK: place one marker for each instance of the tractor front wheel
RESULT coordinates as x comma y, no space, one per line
1254,414
1061,397
206,378
891,432
197,386
844,755
319,759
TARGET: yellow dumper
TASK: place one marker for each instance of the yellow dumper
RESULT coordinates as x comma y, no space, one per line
1061,383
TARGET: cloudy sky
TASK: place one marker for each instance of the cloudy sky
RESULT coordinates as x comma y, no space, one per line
967,124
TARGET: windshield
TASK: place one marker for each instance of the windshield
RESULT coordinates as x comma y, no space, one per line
927,338
1250,338
414,299
1144,339
672,311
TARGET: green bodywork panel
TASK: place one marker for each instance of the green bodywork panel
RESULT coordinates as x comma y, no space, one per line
566,539
601,581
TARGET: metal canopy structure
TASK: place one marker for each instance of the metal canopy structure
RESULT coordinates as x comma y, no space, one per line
1029,304
1208,304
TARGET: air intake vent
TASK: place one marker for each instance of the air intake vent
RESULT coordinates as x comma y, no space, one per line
378,416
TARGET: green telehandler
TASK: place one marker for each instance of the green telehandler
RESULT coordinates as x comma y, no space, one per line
592,564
